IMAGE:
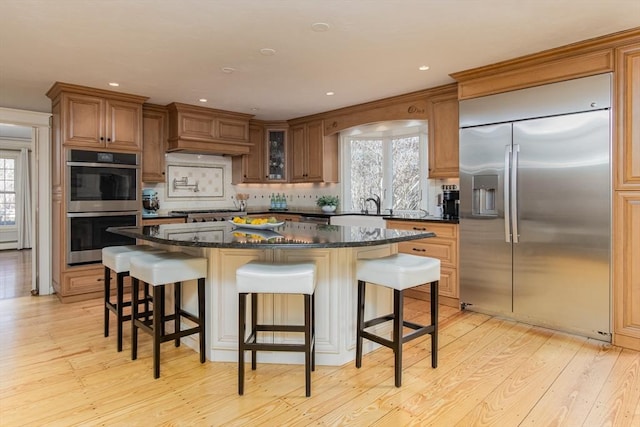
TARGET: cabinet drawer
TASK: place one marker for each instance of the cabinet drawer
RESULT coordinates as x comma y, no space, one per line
448,286
444,250
84,282
441,230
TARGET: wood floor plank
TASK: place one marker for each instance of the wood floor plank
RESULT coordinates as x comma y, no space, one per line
59,371
618,403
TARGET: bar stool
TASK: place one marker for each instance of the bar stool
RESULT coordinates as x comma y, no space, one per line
159,270
398,272
260,277
118,259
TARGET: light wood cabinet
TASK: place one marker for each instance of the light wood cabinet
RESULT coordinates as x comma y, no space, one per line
194,129
91,119
249,168
443,136
154,142
94,118
626,269
443,247
312,156
627,153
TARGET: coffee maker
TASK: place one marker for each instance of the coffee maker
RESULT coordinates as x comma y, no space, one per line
450,201
150,202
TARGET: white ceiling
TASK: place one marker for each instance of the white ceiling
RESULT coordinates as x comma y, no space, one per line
174,50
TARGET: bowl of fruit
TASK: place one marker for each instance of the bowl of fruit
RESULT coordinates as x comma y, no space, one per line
256,223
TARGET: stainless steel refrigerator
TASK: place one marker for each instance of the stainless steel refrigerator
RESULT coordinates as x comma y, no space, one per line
535,205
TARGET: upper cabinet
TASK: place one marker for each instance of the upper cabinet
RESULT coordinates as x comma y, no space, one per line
312,156
155,127
250,167
194,129
95,118
276,155
443,136
627,175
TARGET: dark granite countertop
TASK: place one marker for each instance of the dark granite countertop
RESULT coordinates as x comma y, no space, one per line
287,236
318,213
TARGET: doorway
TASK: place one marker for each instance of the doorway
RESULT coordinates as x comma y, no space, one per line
34,129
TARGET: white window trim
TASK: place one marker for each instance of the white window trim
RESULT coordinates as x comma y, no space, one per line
386,136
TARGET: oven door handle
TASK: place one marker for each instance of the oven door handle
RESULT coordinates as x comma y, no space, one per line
103,165
94,214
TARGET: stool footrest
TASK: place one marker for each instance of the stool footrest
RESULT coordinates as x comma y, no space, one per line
280,328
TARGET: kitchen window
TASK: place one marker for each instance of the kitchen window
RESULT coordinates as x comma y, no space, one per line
8,162
387,160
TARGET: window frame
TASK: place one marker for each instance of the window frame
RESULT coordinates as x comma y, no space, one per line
10,154
392,131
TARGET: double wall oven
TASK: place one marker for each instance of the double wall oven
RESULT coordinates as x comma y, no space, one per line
102,192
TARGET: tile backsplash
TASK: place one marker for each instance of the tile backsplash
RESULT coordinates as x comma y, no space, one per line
298,195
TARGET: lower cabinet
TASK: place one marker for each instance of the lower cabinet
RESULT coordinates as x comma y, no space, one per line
626,269
443,247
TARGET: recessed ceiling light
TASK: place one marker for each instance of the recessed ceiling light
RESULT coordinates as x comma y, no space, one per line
320,27
202,99
114,84
228,70
255,109
330,93
267,51
423,68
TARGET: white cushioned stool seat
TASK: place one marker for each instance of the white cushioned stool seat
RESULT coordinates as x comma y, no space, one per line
258,277
274,278
158,270
399,271
118,258
168,267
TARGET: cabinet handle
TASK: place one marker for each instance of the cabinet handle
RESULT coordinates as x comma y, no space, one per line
101,279
108,139
418,250
102,138
419,228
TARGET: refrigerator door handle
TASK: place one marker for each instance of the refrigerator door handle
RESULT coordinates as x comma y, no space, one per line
506,192
514,191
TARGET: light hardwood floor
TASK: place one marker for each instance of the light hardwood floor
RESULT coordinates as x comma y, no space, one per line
57,369
15,273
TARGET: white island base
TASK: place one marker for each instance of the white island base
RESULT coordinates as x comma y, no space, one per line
335,300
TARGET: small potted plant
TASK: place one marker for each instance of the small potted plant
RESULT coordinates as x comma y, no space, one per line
327,203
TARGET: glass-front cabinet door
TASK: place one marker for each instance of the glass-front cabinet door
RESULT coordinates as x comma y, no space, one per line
276,155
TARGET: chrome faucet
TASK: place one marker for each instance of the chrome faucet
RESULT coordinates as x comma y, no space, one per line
376,200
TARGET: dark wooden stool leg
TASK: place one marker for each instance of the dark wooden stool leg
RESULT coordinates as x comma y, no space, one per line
242,308
202,321
307,344
254,327
360,321
397,334
434,322
177,299
120,307
158,320
134,318
147,296
107,299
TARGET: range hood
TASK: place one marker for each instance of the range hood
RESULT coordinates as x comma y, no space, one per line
201,130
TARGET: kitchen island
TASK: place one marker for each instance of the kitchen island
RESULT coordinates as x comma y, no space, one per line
334,249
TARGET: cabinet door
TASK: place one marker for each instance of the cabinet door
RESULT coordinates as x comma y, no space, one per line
314,152
276,155
627,147
254,161
154,142
626,269
83,120
443,138
298,153
123,125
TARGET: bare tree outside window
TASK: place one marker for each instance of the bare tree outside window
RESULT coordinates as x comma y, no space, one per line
366,170
406,173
